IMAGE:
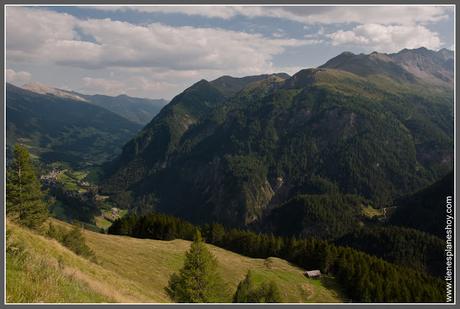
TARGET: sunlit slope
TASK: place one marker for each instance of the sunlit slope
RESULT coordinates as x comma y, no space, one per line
133,270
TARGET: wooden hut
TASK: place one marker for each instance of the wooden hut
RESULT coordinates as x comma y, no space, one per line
313,274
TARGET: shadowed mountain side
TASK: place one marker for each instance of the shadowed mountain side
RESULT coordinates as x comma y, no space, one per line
63,129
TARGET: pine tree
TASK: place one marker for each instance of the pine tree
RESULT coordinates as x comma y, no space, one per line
268,293
245,289
198,280
247,292
217,233
24,198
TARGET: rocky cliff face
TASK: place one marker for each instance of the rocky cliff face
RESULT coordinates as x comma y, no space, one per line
430,66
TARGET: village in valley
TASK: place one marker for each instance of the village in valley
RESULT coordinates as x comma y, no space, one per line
71,189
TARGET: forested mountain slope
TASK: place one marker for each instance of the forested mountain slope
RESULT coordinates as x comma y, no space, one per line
364,128
426,209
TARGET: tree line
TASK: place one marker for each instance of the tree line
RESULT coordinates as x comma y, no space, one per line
365,278
403,246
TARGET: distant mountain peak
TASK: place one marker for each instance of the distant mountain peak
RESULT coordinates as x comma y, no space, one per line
445,50
446,53
428,65
434,67
49,90
422,49
202,82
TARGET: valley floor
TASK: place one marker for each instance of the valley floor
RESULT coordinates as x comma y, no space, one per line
131,270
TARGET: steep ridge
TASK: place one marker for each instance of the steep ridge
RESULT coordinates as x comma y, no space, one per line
152,147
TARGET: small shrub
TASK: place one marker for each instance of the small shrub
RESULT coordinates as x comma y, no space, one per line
72,239
75,241
15,251
55,232
247,292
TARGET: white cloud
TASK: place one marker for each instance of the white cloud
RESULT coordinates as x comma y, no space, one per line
387,38
18,78
396,14
224,12
386,15
113,57
32,28
122,44
181,48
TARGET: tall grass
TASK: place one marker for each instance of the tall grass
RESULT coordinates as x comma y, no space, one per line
41,269
32,279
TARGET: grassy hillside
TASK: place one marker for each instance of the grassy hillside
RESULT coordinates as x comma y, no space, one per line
132,270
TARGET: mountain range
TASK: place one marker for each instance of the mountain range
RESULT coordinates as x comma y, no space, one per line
367,129
376,126
58,125
414,65
137,110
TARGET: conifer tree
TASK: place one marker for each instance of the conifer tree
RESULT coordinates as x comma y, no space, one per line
247,292
198,280
216,232
24,198
245,289
268,293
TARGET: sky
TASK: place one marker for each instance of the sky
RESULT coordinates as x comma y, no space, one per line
159,51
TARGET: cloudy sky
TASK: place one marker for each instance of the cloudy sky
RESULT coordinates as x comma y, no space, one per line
158,51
